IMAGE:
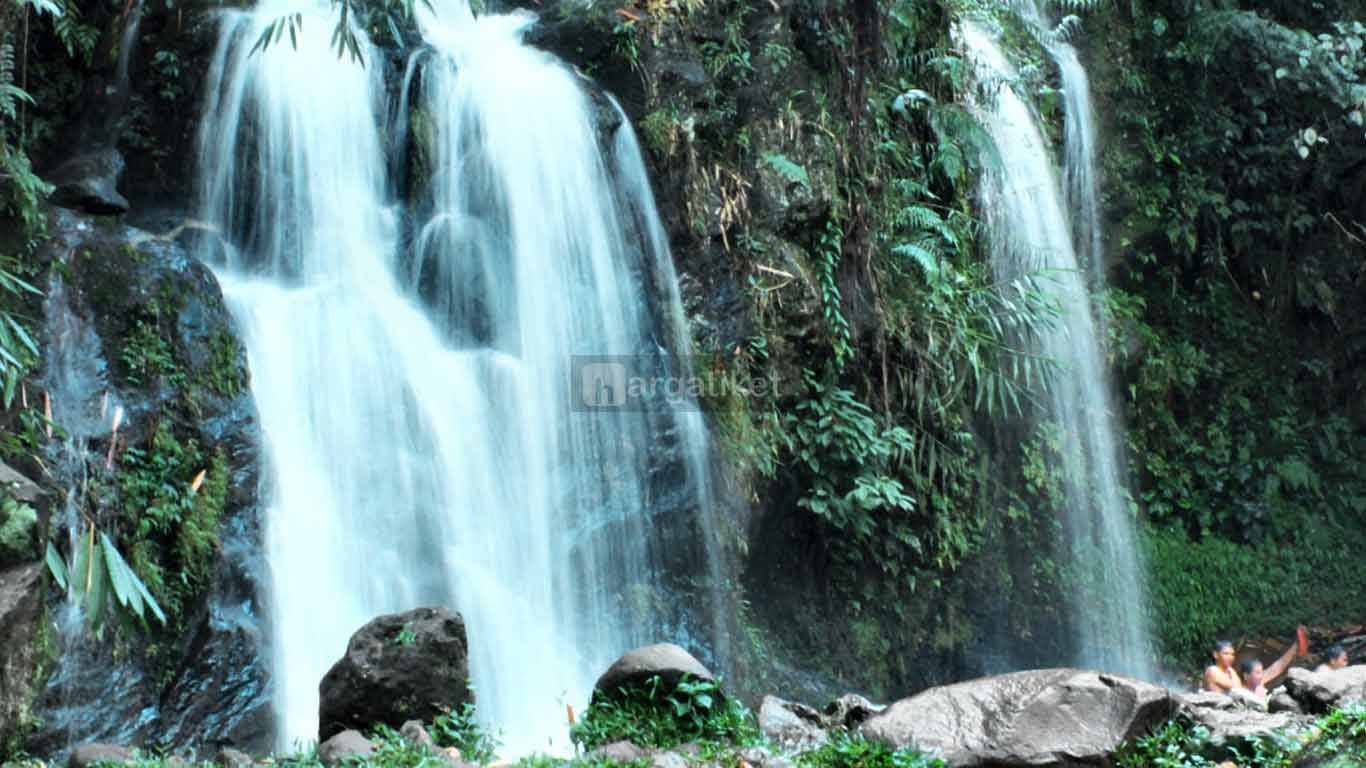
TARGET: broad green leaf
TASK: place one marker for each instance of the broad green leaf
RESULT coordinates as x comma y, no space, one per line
56,566
788,169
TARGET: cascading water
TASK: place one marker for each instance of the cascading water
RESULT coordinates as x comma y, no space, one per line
1079,168
1030,233
1082,185
422,444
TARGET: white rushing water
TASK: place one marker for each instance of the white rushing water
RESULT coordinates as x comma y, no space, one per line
1080,148
422,445
1079,168
1030,232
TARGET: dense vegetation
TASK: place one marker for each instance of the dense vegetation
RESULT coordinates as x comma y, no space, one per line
1238,237
905,503
660,715
1337,740
927,500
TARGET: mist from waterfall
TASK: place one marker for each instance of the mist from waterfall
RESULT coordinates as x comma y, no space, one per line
1030,231
416,387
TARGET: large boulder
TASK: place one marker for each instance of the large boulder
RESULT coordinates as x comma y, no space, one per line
635,667
791,726
87,755
1321,692
1050,717
1237,722
20,616
399,667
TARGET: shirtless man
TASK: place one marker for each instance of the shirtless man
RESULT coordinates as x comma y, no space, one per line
1255,677
1334,657
1220,676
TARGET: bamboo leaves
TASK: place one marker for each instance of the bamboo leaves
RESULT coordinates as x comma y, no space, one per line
350,26
101,580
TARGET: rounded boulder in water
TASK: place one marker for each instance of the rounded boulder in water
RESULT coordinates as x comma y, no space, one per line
635,667
399,667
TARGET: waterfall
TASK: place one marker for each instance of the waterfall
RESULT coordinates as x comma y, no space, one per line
424,393
1030,232
1079,168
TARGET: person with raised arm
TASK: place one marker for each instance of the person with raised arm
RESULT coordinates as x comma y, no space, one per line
1255,677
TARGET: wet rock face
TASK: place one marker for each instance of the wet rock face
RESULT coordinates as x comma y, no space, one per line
21,590
134,325
89,182
399,667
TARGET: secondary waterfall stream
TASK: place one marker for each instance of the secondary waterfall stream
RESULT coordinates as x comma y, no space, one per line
410,361
1031,232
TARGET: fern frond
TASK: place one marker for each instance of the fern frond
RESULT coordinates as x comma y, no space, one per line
79,39
923,254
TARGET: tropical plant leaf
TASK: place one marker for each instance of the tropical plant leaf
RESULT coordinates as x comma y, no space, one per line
120,577
56,566
788,169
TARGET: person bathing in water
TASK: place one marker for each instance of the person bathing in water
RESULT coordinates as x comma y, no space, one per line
1334,657
1255,677
1222,677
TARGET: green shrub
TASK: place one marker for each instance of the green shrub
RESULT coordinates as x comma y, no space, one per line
656,715
1337,740
1176,745
1213,588
845,751
458,728
18,524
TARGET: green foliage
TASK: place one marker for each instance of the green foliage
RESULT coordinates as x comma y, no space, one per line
827,255
459,728
626,42
1337,740
847,751
379,19
167,67
21,195
147,355
1175,745
101,581
663,716
18,349
852,461
728,59
547,761
174,538
18,527
1202,589
78,38
1235,326
788,169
